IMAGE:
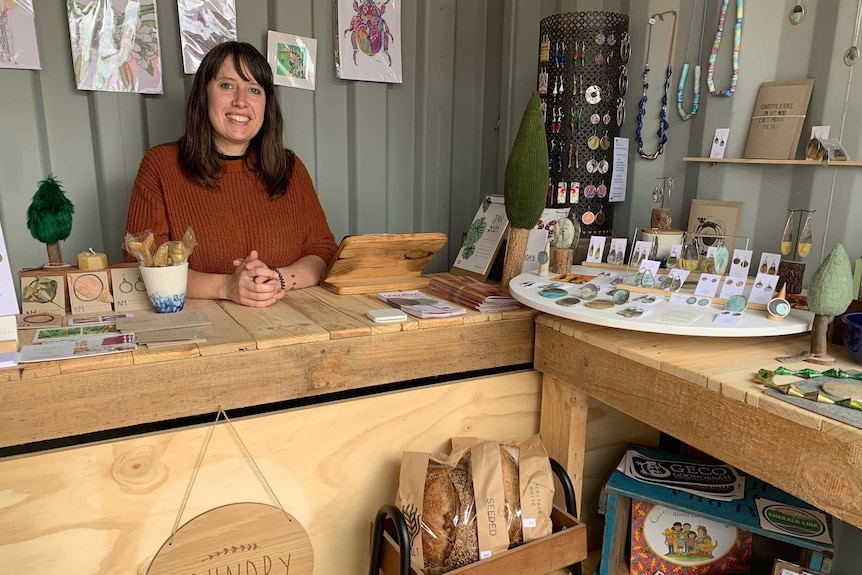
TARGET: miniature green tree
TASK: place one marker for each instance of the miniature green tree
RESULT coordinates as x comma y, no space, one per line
829,294
49,217
524,186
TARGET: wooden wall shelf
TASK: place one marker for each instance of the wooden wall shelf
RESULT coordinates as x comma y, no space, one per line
812,163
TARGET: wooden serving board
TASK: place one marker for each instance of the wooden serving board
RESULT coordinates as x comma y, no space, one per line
382,262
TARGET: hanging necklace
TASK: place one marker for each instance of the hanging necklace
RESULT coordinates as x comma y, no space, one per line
696,100
737,41
663,125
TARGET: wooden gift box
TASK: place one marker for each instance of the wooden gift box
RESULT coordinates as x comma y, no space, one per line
382,262
566,546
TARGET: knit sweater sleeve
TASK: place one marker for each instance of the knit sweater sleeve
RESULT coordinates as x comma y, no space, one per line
319,240
147,208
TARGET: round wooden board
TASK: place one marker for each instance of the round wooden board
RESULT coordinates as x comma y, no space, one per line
239,538
844,389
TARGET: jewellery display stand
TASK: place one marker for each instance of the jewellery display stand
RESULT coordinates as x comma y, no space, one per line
582,79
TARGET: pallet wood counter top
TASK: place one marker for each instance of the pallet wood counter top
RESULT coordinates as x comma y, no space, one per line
701,391
311,343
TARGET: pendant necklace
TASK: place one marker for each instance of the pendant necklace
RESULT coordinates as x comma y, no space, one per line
684,74
663,125
737,41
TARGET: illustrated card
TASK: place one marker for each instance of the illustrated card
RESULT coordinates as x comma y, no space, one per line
43,294
129,290
89,292
728,318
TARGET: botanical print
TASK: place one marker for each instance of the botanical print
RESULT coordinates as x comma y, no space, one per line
18,35
203,25
292,59
115,45
369,40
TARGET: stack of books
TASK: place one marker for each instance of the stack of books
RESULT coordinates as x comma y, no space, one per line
472,293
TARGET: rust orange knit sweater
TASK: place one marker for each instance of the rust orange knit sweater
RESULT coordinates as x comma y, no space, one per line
231,219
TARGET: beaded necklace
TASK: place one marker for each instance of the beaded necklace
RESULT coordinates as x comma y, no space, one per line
663,125
737,41
684,74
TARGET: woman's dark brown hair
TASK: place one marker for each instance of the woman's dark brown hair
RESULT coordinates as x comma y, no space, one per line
266,154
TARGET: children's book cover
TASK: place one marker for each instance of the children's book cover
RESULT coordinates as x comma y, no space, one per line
666,541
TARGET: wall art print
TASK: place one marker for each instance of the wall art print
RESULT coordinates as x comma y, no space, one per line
115,45
714,218
18,47
204,24
368,40
293,59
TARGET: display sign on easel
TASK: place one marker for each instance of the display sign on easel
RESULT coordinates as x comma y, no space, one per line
483,240
8,299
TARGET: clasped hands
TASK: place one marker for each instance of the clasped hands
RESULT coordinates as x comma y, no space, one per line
252,283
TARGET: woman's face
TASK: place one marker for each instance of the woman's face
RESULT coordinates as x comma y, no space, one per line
236,108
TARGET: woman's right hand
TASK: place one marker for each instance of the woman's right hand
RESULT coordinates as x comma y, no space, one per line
252,283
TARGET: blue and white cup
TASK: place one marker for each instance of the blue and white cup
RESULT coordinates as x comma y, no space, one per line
166,286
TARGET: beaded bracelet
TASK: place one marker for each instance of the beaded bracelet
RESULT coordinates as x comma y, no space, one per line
281,281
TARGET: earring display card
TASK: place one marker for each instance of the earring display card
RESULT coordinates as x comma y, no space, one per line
596,249
719,142
763,289
618,251
740,263
129,291
89,292
677,278
768,263
43,294
732,286
640,253
707,285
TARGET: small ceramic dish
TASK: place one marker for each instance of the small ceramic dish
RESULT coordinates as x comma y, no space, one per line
736,303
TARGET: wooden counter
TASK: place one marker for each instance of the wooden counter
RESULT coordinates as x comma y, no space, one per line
701,391
313,342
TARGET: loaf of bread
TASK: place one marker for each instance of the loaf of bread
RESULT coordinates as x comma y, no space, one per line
449,536
511,484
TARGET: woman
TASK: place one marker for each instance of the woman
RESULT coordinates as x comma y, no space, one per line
259,225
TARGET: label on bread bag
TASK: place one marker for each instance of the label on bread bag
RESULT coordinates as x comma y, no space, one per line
490,499
537,489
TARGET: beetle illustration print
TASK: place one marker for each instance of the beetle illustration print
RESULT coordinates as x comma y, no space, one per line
368,30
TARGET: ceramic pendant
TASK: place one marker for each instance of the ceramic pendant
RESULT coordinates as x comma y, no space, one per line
736,303
553,292
797,13
600,217
625,48
787,236
600,304
593,95
763,267
620,296
657,191
589,291
721,257
648,280
771,269
567,301
805,237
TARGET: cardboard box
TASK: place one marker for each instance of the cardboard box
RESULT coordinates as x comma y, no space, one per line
777,120
786,568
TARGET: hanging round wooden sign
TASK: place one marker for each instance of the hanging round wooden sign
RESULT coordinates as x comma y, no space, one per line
241,538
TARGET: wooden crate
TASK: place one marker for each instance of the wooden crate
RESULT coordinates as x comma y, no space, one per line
566,546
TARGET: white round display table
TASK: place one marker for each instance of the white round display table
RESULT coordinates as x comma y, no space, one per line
660,317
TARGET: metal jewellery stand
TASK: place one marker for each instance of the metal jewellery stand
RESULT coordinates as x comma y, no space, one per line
397,522
583,61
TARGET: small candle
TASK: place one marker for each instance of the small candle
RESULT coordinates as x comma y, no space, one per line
92,260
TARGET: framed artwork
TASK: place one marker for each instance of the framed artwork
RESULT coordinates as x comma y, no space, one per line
293,59
368,40
115,45
203,25
711,220
18,36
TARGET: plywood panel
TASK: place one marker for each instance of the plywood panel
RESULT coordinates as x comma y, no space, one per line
106,509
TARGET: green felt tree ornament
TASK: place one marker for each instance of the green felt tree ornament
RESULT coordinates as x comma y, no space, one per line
525,184
829,294
49,217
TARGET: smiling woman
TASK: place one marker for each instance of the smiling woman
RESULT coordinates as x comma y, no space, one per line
259,225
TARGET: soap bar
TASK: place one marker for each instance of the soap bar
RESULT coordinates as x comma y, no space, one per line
92,261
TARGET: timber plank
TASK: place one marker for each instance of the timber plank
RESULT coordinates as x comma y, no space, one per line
107,361
356,307
10,374
280,325
225,335
334,319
